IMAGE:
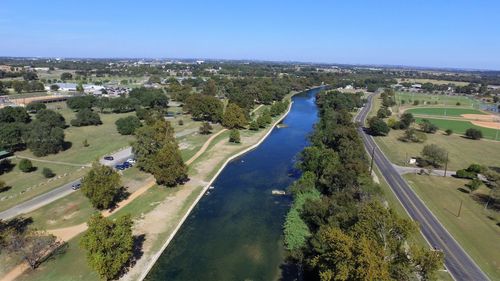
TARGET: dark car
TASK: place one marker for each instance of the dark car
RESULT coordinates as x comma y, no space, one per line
109,158
76,186
126,165
120,167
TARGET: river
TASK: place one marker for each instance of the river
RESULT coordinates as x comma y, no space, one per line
235,232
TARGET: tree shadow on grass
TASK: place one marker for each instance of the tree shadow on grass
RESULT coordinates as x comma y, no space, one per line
19,224
120,196
137,254
461,189
6,166
484,198
5,188
67,145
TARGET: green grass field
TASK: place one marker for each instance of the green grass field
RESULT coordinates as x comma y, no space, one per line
434,81
459,127
462,151
440,111
24,186
432,99
98,137
476,229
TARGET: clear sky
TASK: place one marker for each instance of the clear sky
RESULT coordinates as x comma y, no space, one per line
437,33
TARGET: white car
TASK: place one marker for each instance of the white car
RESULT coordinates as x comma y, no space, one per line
131,161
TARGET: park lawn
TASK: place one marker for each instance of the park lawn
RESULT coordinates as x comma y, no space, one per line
433,81
68,211
102,140
68,266
389,196
476,229
459,127
462,151
24,186
443,111
409,97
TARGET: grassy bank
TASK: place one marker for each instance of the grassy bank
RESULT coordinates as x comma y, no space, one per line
475,229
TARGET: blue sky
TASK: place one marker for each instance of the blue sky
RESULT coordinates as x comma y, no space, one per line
437,33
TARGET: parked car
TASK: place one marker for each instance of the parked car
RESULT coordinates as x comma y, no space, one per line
119,167
109,158
76,186
126,164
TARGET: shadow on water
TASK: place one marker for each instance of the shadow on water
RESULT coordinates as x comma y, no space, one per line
235,232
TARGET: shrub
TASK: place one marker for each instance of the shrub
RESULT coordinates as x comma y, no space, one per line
234,136
474,184
47,173
449,132
464,174
205,128
474,134
180,122
25,165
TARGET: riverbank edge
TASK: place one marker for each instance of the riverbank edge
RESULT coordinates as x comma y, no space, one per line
204,190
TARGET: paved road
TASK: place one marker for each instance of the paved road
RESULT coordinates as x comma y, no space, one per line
64,190
458,263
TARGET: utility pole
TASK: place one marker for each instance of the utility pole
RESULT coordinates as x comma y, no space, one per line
371,163
446,164
460,208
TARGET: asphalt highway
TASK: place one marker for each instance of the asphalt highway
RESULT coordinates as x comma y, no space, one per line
457,261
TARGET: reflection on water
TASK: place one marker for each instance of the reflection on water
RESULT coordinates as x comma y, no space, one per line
235,233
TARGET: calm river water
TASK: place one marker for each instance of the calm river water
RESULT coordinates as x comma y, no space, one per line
235,232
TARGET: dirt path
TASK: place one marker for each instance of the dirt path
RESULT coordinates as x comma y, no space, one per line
55,162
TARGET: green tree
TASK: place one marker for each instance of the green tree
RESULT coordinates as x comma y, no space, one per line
54,87
203,107
434,154
210,88
128,125
427,126
234,136
43,139
234,117
205,128
378,127
108,245
406,120
254,125
79,88
149,140
169,168
34,107
86,117
474,133
66,76
14,115
51,118
101,185
11,136
449,132
47,173
25,165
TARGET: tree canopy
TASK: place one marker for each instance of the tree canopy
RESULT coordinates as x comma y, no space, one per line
101,185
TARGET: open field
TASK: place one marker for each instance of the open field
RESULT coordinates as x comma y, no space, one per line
475,229
432,99
459,127
433,81
462,151
440,111
98,138
24,186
